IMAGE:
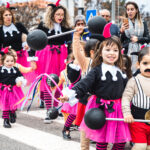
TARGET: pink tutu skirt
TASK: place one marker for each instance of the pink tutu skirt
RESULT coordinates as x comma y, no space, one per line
69,109
8,98
22,58
51,59
112,131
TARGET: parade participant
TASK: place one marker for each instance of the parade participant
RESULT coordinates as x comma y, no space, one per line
80,21
106,82
51,58
74,75
137,95
134,32
13,34
11,80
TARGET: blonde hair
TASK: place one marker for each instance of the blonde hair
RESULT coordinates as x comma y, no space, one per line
49,17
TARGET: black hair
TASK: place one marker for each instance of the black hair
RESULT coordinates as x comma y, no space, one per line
90,45
142,53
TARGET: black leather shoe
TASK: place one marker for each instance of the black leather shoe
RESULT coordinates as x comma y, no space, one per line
12,117
66,134
6,123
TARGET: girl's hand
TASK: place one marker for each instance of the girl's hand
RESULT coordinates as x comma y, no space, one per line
64,98
79,30
19,83
26,47
124,27
134,39
33,65
128,119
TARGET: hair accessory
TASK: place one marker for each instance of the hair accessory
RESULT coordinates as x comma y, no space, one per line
5,50
57,3
54,5
8,5
106,32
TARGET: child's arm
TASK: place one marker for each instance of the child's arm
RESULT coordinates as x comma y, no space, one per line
82,60
61,79
82,87
20,80
23,69
128,94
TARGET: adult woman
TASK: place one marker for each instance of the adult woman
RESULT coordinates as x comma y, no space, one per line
51,58
13,34
134,32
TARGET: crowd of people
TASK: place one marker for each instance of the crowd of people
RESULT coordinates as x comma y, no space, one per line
105,68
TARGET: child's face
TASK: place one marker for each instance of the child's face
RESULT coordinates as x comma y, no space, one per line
145,66
9,62
110,54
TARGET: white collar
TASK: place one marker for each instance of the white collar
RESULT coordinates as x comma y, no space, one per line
113,71
10,29
8,69
57,28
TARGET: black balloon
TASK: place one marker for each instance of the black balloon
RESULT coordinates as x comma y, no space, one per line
55,78
53,113
96,24
37,39
94,118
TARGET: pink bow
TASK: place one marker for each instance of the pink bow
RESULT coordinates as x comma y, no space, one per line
105,102
5,50
7,87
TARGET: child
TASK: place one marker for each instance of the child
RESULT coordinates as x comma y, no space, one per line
106,82
11,80
74,75
137,92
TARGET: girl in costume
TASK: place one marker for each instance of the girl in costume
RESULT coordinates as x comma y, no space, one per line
74,75
11,80
106,82
51,58
13,34
137,95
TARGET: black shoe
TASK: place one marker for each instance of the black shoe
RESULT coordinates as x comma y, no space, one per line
42,104
12,117
66,134
6,123
60,115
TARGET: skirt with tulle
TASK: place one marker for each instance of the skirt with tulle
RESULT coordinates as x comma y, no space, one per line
51,59
69,109
9,97
22,58
112,131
